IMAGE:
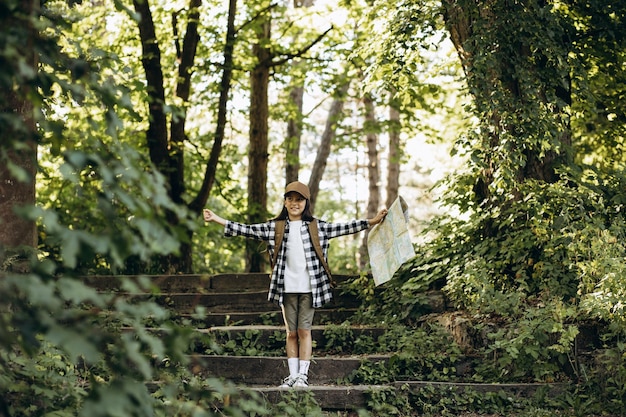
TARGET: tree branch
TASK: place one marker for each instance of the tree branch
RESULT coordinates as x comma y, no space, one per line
298,54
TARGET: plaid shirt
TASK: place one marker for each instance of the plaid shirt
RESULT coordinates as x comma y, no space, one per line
320,282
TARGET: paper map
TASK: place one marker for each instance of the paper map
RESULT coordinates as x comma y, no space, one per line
389,243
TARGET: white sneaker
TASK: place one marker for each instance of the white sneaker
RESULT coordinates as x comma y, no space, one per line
289,381
301,381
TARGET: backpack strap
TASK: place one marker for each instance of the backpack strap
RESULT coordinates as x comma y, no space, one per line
315,240
279,233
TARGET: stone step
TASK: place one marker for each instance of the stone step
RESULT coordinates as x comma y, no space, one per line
323,315
190,283
330,398
261,338
265,334
521,390
334,398
225,302
264,371
356,397
182,283
230,302
338,397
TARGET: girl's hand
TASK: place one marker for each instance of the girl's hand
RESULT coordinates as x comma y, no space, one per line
208,215
379,217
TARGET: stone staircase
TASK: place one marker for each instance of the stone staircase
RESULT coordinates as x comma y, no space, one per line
234,308
232,311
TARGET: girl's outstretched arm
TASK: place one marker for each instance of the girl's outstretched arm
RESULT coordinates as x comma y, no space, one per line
210,216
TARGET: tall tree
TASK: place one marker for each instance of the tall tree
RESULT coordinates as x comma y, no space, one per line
220,127
373,168
258,152
294,123
18,149
395,152
333,118
167,148
532,70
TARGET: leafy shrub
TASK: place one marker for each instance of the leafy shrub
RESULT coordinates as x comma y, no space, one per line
426,353
339,338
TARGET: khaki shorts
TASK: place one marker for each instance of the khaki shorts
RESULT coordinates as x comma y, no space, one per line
298,311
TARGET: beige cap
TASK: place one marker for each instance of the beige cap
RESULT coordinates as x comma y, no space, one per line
299,188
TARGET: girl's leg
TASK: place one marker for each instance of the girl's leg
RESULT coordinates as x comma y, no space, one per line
306,344
292,344
306,313
289,316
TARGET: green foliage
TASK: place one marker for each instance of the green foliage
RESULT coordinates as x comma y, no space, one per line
387,402
529,273
77,352
448,401
424,353
607,382
523,253
297,403
339,338
249,343
60,385
136,228
538,346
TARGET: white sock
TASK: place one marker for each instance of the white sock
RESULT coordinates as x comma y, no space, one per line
304,367
293,366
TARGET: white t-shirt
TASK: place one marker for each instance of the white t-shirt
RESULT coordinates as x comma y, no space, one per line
296,273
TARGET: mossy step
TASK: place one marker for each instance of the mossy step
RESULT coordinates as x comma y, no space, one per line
333,398
199,283
267,339
180,283
328,397
249,301
263,333
357,397
510,390
270,371
323,315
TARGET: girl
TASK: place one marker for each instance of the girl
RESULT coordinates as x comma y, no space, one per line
299,281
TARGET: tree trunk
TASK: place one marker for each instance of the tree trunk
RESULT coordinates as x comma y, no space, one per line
259,147
395,153
21,151
294,124
294,136
227,73
182,263
373,171
157,135
183,89
202,197
323,151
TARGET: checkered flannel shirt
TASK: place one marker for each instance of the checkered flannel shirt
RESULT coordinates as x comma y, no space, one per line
320,282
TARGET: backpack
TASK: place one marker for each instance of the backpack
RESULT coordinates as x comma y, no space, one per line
315,240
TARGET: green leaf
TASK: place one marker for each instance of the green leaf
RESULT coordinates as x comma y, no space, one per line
74,343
